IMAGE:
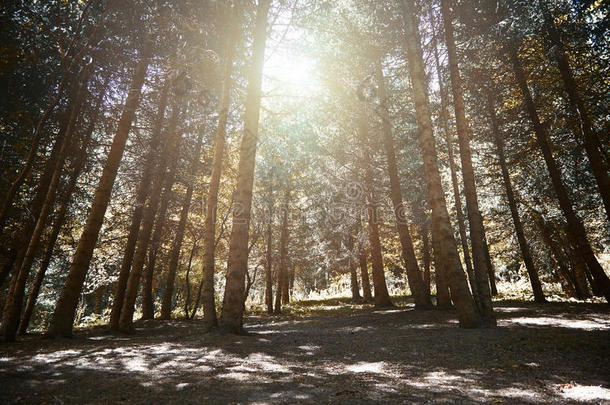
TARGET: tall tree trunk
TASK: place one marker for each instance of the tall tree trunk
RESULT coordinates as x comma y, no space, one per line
154,244
166,306
442,233
269,263
512,204
61,214
187,282
426,258
482,273
99,295
364,273
284,276
444,116
210,319
353,274
593,147
414,278
35,206
141,197
576,230
14,302
63,316
381,295
278,292
281,295
232,308
164,180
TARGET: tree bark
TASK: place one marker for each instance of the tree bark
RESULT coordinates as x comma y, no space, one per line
154,244
232,309
166,306
210,319
353,274
580,114
284,276
136,218
482,273
281,295
364,273
421,296
512,204
381,295
442,233
444,116
61,214
164,181
576,230
63,316
14,302
269,263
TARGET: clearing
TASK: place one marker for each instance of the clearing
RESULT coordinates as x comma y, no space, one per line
326,352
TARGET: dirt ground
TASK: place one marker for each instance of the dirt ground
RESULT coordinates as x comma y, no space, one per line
330,352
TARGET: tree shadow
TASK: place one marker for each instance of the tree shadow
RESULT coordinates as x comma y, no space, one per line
398,355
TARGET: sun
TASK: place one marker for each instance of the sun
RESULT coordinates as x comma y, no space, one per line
290,73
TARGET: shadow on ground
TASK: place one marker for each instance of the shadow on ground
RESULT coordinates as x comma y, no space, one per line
539,354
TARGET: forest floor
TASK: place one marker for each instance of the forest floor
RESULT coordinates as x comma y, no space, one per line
326,352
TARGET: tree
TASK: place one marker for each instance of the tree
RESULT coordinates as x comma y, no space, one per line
232,308
209,237
414,277
576,230
63,316
166,307
512,203
442,233
483,274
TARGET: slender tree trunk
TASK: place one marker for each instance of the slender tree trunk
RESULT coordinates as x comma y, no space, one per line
187,282
426,258
164,181
63,316
281,295
442,233
364,273
136,218
35,206
444,115
166,306
154,244
232,309
381,295
99,295
441,272
512,204
278,292
482,273
209,240
14,302
284,276
414,278
579,111
353,274
61,214
576,230
268,263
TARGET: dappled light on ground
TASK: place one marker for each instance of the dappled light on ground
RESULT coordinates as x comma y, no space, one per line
369,356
